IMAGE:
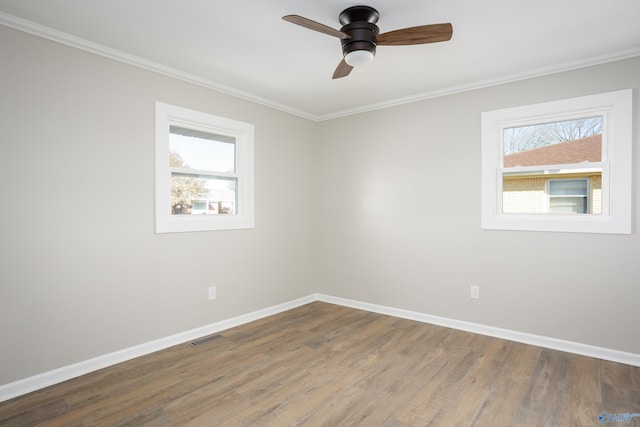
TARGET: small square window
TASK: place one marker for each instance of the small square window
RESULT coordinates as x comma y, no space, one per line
204,171
559,166
569,196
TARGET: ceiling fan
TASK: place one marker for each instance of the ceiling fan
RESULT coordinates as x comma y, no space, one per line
359,35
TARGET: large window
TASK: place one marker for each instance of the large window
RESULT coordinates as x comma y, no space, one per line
559,166
204,171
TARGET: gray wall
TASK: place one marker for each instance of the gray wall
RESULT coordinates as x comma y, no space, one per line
82,272
402,222
381,207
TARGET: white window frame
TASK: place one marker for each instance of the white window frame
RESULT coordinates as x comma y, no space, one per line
170,115
616,109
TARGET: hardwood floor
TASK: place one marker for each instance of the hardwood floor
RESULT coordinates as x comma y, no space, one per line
327,365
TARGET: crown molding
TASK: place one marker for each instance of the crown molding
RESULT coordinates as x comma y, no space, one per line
105,51
48,33
482,84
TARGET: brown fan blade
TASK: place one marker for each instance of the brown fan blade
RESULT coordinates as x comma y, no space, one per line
342,70
316,26
417,35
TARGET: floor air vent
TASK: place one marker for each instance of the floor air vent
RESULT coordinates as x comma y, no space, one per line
205,340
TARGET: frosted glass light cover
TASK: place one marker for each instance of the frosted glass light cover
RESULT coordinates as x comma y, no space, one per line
358,57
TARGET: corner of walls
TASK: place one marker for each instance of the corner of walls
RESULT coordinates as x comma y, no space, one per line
55,376
36,382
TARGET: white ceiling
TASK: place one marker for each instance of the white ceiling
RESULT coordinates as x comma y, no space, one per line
245,48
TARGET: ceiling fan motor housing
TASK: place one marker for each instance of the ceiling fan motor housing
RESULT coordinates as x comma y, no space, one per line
359,22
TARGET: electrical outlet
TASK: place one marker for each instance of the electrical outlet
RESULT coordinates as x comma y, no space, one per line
475,292
212,292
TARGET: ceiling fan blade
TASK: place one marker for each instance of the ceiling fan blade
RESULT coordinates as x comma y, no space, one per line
342,70
316,26
417,35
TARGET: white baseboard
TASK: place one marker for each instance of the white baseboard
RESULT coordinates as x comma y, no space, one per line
522,337
36,382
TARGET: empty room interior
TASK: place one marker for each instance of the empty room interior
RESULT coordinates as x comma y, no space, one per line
406,213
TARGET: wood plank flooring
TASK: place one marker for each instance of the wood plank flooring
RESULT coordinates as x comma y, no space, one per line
327,365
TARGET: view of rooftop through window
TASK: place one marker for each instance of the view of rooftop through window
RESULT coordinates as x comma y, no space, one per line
531,182
524,138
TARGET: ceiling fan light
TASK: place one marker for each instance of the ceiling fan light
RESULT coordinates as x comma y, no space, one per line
356,58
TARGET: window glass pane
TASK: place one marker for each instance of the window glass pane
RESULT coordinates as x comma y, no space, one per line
572,187
538,194
565,142
192,149
568,204
203,195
